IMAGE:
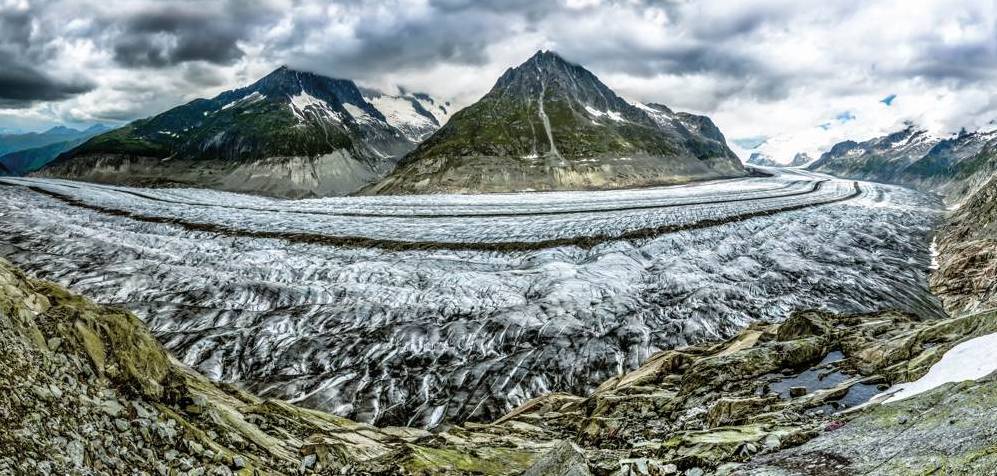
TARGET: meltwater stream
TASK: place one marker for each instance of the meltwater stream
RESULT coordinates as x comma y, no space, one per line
248,290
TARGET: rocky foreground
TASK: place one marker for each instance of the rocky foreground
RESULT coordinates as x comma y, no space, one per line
90,391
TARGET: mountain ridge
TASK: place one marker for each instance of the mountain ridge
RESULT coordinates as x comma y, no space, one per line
291,133
30,140
953,166
549,124
29,160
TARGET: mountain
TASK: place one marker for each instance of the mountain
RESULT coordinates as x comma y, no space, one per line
954,166
552,125
15,142
800,159
29,160
291,133
762,160
879,159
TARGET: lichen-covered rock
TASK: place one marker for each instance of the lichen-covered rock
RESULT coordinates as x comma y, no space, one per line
948,430
87,390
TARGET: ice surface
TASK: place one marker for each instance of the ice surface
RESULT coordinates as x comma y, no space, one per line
422,336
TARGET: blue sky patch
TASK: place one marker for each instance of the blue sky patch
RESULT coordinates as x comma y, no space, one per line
888,100
845,117
750,142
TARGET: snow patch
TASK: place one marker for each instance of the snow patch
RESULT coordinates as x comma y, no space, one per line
358,114
402,115
934,254
251,98
970,360
613,115
303,100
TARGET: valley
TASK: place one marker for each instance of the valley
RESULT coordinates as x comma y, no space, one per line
432,310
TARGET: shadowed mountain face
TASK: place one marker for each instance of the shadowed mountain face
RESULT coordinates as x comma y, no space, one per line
552,125
290,134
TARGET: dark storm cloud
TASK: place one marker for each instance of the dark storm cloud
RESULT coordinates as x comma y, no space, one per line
959,63
461,32
455,32
178,49
21,85
170,34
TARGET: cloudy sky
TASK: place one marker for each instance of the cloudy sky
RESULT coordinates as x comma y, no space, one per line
790,75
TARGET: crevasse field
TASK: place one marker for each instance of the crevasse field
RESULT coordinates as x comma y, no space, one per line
424,310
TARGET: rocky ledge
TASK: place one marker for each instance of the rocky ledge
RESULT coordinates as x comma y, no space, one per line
89,391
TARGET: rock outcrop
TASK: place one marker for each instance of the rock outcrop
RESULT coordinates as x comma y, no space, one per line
967,255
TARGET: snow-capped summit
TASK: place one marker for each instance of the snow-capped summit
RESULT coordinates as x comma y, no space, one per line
291,133
763,160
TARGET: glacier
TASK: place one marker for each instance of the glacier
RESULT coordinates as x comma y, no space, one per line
434,309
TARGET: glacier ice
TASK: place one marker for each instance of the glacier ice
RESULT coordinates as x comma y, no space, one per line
428,336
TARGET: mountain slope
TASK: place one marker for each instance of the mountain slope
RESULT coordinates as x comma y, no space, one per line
289,134
879,159
551,125
954,166
17,142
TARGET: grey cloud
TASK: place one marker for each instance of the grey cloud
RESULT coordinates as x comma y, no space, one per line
457,34
172,34
21,85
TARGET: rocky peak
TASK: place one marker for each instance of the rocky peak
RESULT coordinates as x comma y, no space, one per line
801,158
285,83
546,74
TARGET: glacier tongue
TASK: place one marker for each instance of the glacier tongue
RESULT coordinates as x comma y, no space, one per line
429,336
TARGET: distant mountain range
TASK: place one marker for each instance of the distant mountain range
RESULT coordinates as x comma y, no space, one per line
291,134
24,154
552,125
764,160
954,166
21,141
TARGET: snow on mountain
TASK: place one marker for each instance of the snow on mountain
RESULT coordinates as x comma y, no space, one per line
416,115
